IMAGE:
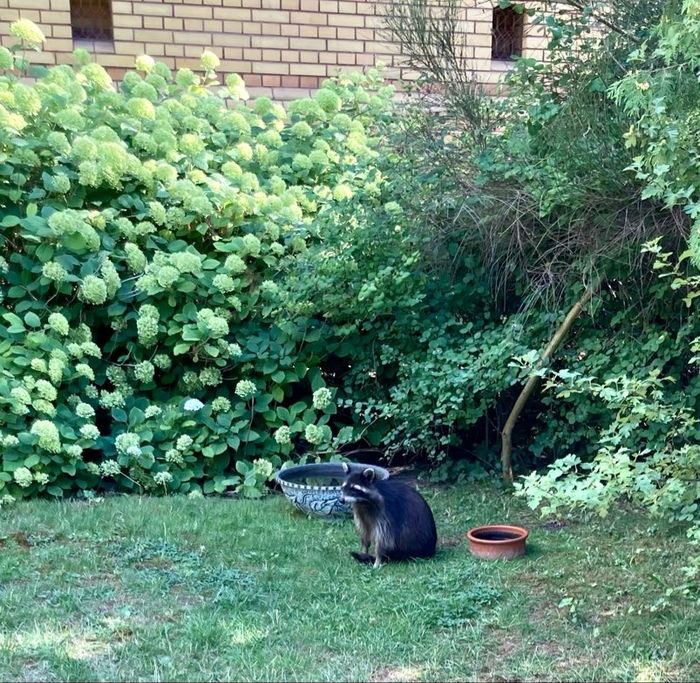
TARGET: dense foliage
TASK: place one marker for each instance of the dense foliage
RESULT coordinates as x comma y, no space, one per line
146,340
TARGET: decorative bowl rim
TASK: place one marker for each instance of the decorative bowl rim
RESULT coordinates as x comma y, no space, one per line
522,534
381,471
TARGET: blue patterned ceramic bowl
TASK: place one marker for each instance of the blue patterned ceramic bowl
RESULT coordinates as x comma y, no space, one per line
315,489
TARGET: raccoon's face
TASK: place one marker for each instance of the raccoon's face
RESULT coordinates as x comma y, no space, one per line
358,487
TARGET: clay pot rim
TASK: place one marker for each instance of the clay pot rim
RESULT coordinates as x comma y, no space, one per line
522,534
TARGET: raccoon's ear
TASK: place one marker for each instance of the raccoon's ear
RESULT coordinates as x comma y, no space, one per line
368,474
346,468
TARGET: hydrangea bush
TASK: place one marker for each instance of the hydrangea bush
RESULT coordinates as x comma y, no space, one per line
147,341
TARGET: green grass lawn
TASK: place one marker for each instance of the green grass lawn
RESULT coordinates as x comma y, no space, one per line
219,589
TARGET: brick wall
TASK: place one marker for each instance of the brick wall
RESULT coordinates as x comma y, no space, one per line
281,47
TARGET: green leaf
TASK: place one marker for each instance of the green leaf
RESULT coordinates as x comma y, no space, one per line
32,319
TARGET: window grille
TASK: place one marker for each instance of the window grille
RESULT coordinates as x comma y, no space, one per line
507,34
91,20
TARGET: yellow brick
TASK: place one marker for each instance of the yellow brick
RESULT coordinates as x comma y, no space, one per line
365,34
271,55
233,53
194,25
271,29
123,33
58,45
329,6
127,21
193,11
175,50
346,58
120,7
28,4
124,48
345,33
151,8
270,68
251,27
269,4
345,20
328,57
232,39
252,54
153,36
347,7
307,43
62,31
289,30
345,46
327,32
290,4
308,70
236,66
273,16
309,5
312,31
173,23
190,37
155,49
117,60
236,13
153,22
55,17
311,18
290,56
277,42
213,26
60,5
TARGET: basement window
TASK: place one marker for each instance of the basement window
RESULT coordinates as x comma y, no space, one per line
91,21
506,34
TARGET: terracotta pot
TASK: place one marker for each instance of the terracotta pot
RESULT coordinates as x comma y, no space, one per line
497,541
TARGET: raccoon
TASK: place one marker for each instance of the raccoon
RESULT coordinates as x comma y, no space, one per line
390,515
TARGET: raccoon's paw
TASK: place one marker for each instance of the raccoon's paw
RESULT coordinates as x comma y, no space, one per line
364,558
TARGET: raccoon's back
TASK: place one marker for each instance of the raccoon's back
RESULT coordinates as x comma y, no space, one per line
409,521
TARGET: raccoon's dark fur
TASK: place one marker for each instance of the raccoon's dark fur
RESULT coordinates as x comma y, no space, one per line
389,515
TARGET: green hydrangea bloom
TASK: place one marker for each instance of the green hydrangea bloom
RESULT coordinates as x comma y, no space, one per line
92,468
153,411
183,443
23,477
49,438
46,390
220,405
90,432
313,434
283,435
126,442
223,283
84,410
93,290
145,63
245,389
28,32
144,372
110,468
162,361
235,264
84,370
209,61
135,258
210,377
322,398
58,323
251,245
162,478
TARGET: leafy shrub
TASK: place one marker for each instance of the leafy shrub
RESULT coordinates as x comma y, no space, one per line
147,339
